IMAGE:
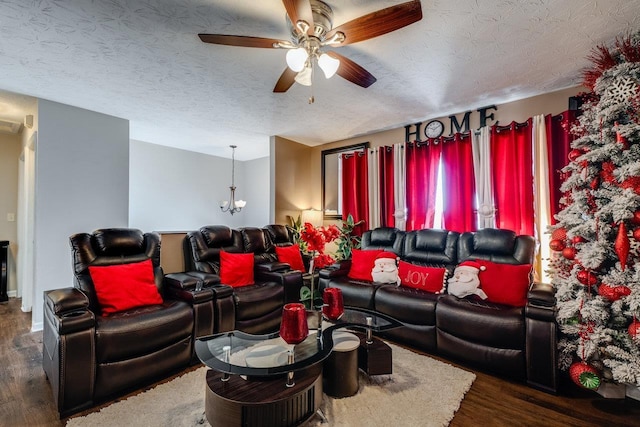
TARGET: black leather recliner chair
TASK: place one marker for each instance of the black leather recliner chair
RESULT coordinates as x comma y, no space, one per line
257,308
494,336
416,309
357,293
89,357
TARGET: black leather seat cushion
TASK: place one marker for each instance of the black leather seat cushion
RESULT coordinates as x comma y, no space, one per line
139,331
407,305
481,322
257,300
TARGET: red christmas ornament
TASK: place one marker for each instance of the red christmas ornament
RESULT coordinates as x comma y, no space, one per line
569,252
559,234
623,291
632,182
613,293
636,234
635,219
607,173
634,329
578,239
574,154
584,375
587,277
557,245
608,292
622,245
621,139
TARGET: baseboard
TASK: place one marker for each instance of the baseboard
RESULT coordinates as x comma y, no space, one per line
36,327
12,294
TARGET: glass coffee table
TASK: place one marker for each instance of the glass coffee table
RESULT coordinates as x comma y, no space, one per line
247,382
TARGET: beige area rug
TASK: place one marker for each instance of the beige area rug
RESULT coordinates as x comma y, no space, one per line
422,391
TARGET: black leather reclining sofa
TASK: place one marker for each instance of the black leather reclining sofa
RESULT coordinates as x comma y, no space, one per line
515,342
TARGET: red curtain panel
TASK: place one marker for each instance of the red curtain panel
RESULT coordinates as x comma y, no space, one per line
355,194
459,186
387,206
512,160
423,160
559,138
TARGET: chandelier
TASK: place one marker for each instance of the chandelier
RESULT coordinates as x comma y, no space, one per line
232,205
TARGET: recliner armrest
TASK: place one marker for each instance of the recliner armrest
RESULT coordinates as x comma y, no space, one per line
340,268
541,302
195,286
66,299
272,266
68,310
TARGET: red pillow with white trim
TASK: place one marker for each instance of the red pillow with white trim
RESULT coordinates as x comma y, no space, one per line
430,279
505,283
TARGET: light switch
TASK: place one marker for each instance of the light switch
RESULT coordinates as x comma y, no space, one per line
11,217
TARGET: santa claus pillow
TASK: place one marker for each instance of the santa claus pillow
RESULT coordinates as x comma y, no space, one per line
465,280
385,268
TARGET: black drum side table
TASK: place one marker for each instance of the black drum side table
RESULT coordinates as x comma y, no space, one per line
4,264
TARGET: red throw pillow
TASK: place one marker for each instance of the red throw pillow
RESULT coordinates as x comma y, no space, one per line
236,269
124,286
291,255
362,263
505,283
430,279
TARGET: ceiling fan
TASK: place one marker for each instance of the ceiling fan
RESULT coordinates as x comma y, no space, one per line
311,26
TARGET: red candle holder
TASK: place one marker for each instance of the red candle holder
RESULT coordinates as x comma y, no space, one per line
333,307
294,328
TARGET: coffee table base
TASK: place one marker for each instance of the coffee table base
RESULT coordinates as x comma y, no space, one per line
264,401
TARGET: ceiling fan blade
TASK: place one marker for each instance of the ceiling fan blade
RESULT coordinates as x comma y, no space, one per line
244,41
285,81
379,22
299,10
353,72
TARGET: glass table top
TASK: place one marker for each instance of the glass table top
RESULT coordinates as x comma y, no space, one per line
240,353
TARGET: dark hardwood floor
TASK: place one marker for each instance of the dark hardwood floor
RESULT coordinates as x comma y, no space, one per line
25,395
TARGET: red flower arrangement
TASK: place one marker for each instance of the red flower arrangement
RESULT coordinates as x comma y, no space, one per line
316,239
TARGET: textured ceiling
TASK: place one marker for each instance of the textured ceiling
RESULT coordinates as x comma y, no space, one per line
142,60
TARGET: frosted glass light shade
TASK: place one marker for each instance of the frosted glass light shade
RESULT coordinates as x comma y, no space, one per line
240,204
312,216
296,58
328,65
304,77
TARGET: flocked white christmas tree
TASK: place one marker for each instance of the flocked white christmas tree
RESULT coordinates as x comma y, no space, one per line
596,262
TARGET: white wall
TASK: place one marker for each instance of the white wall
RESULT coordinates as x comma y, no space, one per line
257,179
82,183
177,190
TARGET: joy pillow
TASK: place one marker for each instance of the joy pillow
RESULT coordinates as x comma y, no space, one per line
430,279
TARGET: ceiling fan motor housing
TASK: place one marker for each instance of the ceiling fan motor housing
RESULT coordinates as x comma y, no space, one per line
322,19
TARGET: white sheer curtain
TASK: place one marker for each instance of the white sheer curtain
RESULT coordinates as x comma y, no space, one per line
480,147
542,197
373,166
399,190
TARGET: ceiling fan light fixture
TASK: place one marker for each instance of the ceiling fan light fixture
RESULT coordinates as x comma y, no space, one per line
304,77
297,58
328,64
